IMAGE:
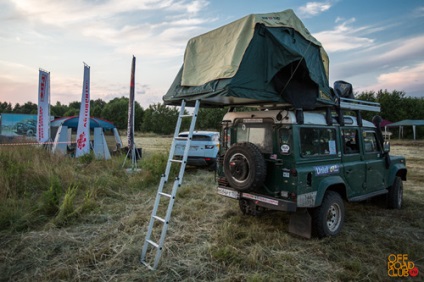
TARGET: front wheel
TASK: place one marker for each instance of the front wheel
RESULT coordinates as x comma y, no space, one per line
395,195
328,219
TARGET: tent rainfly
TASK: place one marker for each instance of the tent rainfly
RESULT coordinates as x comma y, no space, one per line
261,59
407,122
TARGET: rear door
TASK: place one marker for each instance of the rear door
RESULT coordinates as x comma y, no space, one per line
375,164
354,169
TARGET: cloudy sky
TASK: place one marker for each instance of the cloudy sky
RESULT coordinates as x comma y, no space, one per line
374,44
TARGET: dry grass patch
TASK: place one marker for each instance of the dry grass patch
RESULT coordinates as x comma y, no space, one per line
208,239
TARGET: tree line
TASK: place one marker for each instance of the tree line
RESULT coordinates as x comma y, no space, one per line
157,118
161,119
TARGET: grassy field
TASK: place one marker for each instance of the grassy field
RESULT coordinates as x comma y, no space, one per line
85,220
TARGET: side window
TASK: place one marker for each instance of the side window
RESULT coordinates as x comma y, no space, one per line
350,141
370,142
318,141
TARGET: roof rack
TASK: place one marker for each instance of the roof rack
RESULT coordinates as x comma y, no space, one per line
354,104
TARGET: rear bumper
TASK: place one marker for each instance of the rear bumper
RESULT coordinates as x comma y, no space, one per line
259,200
199,161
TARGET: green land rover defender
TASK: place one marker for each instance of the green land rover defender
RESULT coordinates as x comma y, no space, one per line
308,164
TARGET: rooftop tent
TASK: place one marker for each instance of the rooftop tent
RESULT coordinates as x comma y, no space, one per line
259,59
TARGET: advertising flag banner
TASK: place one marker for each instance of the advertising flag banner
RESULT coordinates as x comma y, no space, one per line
130,132
83,131
43,116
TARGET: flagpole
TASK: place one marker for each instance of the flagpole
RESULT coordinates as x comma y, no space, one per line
132,149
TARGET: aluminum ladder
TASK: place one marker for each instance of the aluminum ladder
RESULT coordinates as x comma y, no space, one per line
163,222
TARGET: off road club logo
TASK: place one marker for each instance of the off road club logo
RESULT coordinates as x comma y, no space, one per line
81,141
398,265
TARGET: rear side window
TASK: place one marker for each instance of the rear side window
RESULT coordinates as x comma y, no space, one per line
318,141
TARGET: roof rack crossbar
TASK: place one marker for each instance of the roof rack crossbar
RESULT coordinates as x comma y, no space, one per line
354,104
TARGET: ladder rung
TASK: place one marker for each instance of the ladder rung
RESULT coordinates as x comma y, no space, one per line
165,194
153,244
159,218
186,116
176,161
148,265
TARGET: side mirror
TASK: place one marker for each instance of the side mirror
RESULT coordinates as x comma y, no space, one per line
386,147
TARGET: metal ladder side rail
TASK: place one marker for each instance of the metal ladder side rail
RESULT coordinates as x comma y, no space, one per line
176,133
176,185
162,182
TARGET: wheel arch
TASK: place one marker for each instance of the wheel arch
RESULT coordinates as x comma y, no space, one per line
332,183
396,170
402,173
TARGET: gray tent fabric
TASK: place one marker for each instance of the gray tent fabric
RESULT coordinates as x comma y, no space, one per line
279,65
407,122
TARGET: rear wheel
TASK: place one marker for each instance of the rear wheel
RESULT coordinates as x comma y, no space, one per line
395,196
328,219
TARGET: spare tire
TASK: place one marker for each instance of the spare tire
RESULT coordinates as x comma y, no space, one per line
244,167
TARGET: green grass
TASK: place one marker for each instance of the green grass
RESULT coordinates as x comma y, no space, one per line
73,220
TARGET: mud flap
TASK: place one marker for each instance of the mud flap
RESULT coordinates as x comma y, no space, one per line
301,223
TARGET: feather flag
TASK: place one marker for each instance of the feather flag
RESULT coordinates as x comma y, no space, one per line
131,102
43,116
83,131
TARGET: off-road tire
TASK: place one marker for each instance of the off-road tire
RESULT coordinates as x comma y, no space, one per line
328,219
395,195
244,167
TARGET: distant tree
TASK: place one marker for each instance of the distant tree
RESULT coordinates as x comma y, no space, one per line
71,112
5,107
75,105
96,107
27,108
139,116
161,119
392,105
58,110
210,118
395,106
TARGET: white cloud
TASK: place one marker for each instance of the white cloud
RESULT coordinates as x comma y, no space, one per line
344,37
419,12
314,8
408,79
61,34
401,50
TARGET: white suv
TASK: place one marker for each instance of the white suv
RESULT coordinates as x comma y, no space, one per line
204,148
